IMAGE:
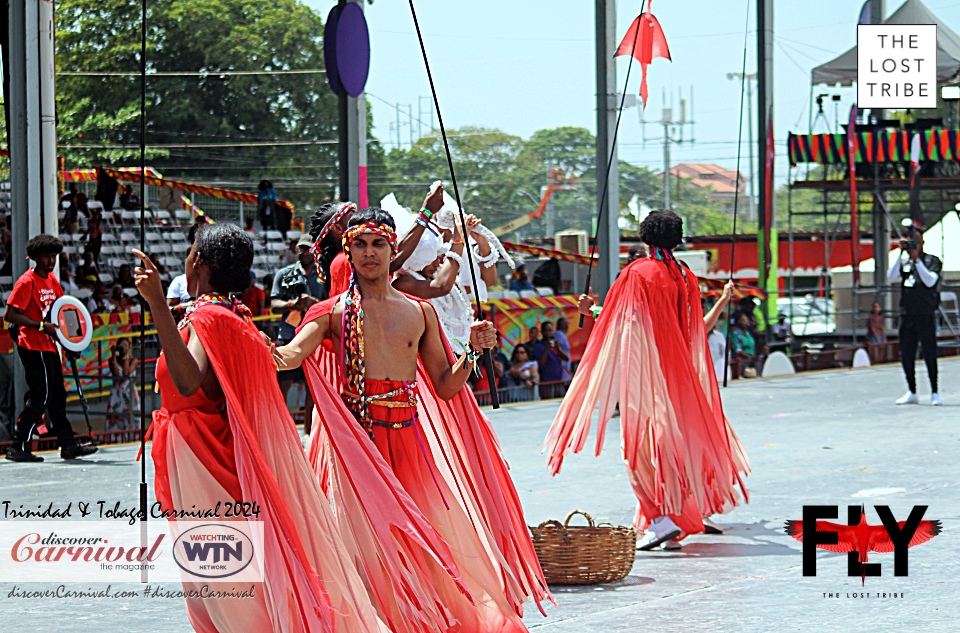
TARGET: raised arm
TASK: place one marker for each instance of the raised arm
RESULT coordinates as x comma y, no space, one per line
408,244
187,362
710,318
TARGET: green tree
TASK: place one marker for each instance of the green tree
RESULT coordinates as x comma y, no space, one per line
202,37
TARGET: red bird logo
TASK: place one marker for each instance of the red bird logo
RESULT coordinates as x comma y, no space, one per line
862,537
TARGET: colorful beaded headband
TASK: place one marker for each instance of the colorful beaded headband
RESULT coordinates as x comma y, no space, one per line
369,228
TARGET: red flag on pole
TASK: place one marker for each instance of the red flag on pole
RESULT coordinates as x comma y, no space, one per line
645,41
854,220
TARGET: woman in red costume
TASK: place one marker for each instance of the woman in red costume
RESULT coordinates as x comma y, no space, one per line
443,454
224,433
648,352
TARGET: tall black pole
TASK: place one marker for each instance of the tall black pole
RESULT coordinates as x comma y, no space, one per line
608,177
765,222
143,306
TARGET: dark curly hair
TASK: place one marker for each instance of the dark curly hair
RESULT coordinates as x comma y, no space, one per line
331,245
43,244
662,228
228,251
373,214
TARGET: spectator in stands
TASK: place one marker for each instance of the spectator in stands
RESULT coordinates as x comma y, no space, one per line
525,375
68,274
165,276
254,297
876,325
124,399
637,251
549,359
70,208
178,293
88,274
743,345
129,200
94,234
563,326
116,298
249,225
124,278
97,303
295,288
717,343
129,305
266,205
781,329
288,255
28,308
521,281
533,337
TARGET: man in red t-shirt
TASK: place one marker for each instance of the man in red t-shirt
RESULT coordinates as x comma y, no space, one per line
28,308
254,297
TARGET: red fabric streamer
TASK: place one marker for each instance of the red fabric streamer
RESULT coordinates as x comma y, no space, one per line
645,42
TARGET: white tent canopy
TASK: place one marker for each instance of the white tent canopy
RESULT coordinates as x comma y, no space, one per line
843,69
941,240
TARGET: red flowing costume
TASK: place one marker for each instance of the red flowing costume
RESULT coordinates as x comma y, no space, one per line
446,457
246,447
648,352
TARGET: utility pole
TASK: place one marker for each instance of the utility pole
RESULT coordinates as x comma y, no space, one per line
881,228
608,233
766,218
752,208
672,133
667,115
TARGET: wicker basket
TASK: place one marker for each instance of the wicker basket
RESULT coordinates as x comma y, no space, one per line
582,555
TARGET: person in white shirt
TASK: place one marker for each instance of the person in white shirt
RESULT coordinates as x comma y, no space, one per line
919,275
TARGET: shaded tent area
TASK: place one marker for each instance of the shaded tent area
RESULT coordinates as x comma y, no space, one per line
843,69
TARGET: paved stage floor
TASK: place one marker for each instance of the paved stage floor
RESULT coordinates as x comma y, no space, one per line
831,438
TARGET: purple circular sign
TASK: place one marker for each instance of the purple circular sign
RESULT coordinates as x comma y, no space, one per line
353,49
330,51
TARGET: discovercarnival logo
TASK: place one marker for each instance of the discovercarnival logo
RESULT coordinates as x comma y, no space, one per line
111,551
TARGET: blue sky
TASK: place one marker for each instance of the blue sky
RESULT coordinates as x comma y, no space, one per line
524,65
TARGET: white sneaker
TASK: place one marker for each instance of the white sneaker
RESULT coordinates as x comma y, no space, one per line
661,529
909,398
709,527
935,399
671,546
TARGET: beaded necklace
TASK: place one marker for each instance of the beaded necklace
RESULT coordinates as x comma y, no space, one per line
214,298
354,370
316,250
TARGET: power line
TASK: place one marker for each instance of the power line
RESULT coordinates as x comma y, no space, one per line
204,145
191,73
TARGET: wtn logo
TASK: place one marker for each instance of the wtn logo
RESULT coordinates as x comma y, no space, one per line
858,538
214,550
221,551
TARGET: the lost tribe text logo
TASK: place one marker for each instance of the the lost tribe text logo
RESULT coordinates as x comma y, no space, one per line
858,539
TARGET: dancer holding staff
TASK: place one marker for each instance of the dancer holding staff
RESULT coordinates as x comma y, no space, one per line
648,351
443,453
